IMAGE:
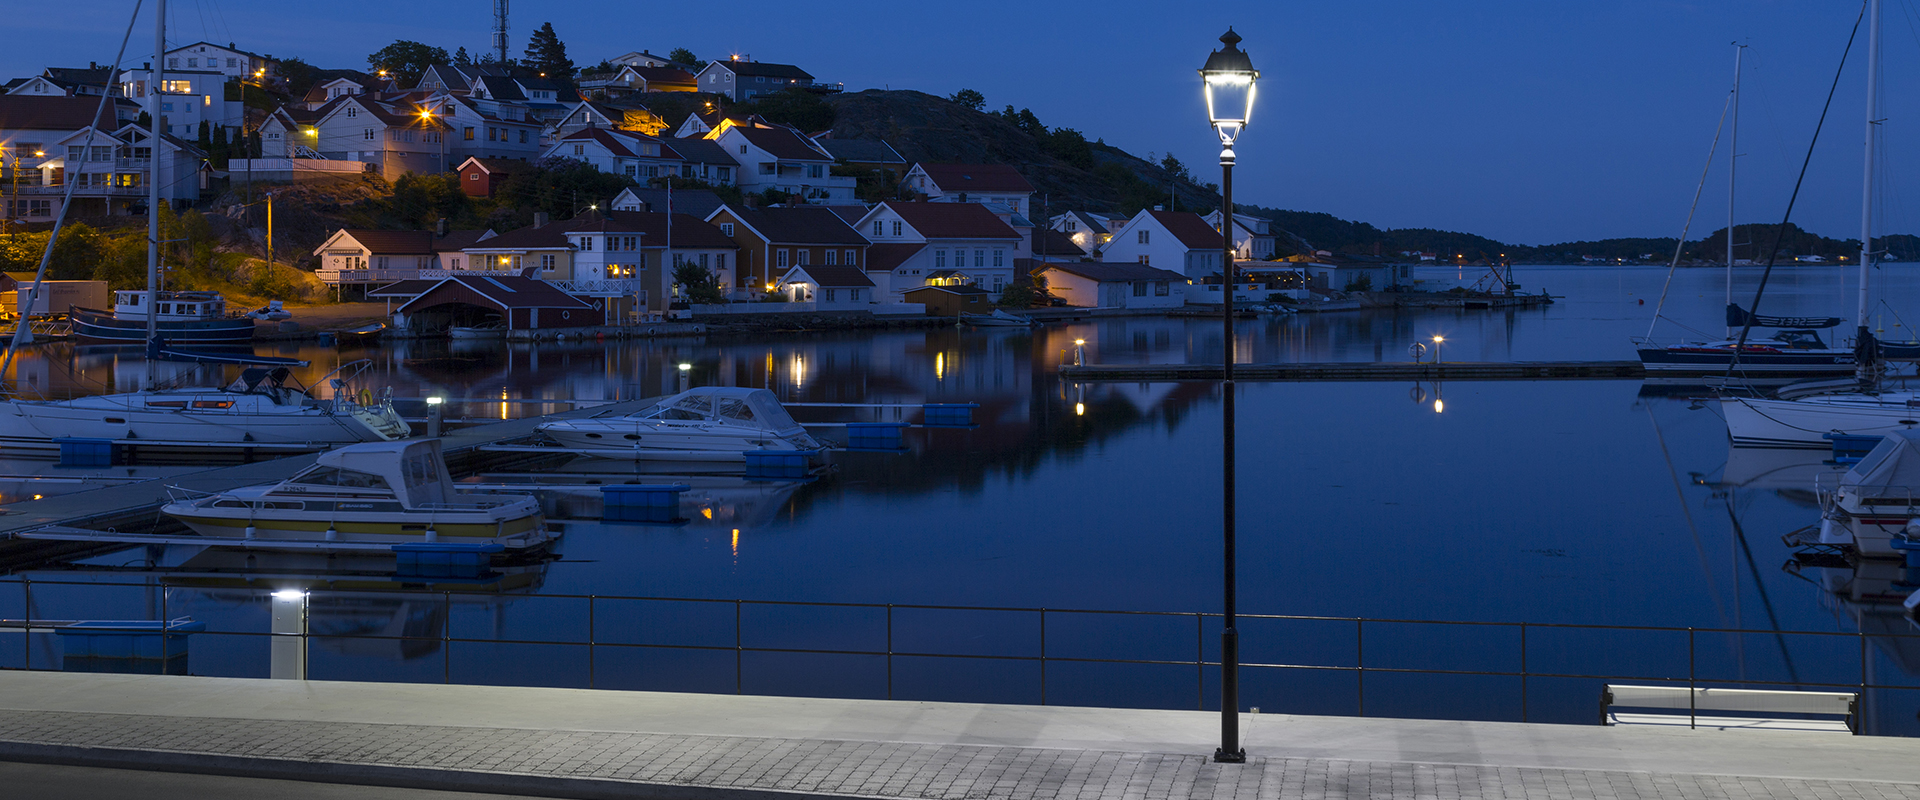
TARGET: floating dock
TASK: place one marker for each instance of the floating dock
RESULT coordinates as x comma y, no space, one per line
1363,371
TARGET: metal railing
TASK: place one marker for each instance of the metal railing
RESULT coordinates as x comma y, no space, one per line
722,627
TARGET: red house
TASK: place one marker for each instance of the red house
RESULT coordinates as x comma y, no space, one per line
481,177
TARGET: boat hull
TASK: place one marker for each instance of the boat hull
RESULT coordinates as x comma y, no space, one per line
323,521
1805,422
641,442
1664,362
37,425
101,328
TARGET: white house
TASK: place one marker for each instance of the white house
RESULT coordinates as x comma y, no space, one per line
332,90
971,183
229,61
479,129
828,287
111,170
635,155
1089,231
1179,241
1253,237
396,138
918,243
704,160
632,254
642,58
1097,284
741,80
187,98
783,159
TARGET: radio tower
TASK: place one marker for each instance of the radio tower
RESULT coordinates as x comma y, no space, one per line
500,30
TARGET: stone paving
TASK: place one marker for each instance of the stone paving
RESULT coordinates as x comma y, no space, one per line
872,769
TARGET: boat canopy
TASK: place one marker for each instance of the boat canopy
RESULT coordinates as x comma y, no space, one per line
730,404
1893,465
414,470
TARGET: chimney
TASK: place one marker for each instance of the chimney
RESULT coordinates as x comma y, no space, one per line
440,229
91,65
1159,208
539,219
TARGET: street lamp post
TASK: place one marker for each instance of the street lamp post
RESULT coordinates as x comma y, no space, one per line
1228,77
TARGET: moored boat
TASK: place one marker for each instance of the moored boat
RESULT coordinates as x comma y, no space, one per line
706,423
998,319
379,492
1874,507
184,317
487,330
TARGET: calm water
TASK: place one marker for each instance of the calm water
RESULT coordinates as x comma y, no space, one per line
1569,502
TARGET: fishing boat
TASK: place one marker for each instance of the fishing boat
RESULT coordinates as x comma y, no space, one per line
1805,416
263,407
998,319
706,423
364,333
380,492
1873,508
186,317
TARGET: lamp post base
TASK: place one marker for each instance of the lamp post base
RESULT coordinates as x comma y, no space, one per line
1224,757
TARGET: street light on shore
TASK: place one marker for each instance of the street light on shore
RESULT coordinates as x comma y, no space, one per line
1228,77
1436,348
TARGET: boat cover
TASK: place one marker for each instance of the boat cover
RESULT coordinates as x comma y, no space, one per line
415,469
733,404
1893,467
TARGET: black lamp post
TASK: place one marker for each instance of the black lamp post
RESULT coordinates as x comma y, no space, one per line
1229,77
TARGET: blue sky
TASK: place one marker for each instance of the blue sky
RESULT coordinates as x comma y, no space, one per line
1530,122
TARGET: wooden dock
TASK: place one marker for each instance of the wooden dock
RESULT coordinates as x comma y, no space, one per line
1363,371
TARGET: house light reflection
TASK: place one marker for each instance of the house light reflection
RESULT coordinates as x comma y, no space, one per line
939,366
797,367
736,542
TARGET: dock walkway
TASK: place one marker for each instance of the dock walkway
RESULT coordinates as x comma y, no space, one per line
1362,371
603,744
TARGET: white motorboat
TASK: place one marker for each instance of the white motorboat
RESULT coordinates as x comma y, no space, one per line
708,423
487,330
998,319
1806,421
379,492
1875,502
263,407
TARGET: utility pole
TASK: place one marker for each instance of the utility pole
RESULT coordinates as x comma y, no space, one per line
269,231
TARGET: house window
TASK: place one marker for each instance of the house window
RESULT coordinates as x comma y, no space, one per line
878,226
455,262
173,63
939,258
1072,226
979,258
579,149
719,261
997,254
546,262
367,134
723,174
586,244
1143,237
896,227
830,293
1160,289
833,257
743,149
352,112
523,137
468,134
813,170
631,170
780,258
804,253
473,176
767,167
727,228
233,62
631,242
492,136
613,243
1139,288
997,284
703,260
193,62
1143,261
849,260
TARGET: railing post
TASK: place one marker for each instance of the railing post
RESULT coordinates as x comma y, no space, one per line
1200,660
889,651
27,585
1043,656
1360,663
1693,691
590,640
738,681
1523,672
446,637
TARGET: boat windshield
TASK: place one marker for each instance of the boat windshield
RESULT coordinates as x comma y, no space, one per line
693,406
768,411
1800,340
334,476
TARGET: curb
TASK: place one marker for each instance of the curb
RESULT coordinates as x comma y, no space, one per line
425,778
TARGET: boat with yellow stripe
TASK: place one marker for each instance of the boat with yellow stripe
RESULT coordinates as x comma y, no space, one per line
378,492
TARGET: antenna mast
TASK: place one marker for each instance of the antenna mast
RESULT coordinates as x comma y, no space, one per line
500,30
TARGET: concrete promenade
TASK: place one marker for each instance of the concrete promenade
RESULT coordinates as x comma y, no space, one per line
592,744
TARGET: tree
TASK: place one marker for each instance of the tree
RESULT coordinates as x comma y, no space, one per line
1174,168
791,106
461,59
603,66
404,61
681,55
1070,146
546,54
298,74
970,99
697,283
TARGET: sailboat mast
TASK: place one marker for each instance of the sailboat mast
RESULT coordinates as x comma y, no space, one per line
1733,165
154,105
1862,336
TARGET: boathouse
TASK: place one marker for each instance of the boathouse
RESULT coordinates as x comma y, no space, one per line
520,303
1096,284
952,301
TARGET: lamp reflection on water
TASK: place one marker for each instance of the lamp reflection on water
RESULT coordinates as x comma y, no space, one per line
939,366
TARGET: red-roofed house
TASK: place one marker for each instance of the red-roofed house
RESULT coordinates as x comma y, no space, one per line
520,303
962,241
1179,241
775,240
828,288
971,183
635,155
777,157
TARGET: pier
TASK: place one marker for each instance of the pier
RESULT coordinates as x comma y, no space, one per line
1363,371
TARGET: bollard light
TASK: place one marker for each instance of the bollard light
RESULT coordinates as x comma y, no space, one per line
1079,352
436,413
1436,348
287,654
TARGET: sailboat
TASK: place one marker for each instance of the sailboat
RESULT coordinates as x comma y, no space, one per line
1796,419
264,408
1794,353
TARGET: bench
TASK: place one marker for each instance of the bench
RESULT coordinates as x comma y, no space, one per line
1729,709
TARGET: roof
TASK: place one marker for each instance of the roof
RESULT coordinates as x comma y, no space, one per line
976,178
508,292
1093,222
889,256
852,214
503,166
35,112
689,232
663,74
94,75
1190,229
1106,271
953,221
546,237
762,68
700,151
409,288
500,87
965,288
825,275
620,143
459,240
1054,243
798,225
450,78
228,47
866,151
698,203
401,242
781,143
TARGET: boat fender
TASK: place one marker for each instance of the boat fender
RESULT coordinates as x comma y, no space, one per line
250,531
432,535
366,397
333,534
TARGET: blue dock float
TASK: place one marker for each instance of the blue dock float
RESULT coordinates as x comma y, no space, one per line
875,436
948,415
78,452
144,647
1849,448
444,559
780,465
641,502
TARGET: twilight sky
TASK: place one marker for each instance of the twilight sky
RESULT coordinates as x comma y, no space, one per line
1529,122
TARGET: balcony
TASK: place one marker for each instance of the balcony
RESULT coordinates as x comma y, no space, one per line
355,276
86,191
622,287
436,274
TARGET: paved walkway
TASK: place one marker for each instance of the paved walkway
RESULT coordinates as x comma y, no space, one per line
577,743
